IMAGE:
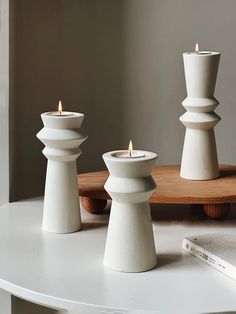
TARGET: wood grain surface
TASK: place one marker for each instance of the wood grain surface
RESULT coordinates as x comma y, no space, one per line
171,188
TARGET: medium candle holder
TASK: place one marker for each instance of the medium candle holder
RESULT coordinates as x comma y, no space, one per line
199,158
130,242
62,136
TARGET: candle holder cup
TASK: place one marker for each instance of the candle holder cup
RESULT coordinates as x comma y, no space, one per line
130,242
62,136
199,158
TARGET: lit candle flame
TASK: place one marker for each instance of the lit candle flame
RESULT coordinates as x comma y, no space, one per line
60,107
196,48
130,149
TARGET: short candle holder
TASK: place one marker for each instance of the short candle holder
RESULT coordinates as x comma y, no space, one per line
62,136
130,243
199,158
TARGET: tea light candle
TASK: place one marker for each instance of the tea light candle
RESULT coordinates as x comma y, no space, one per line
60,112
131,153
198,52
62,136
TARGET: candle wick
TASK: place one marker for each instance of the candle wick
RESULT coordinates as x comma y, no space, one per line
130,153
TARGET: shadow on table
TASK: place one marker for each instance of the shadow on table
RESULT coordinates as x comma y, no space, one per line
186,213
167,259
92,225
176,212
227,173
226,312
168,213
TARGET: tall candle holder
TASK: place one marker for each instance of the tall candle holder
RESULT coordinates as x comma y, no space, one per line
130,243
62,136
199,158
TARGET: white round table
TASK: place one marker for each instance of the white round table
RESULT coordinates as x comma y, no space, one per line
66,272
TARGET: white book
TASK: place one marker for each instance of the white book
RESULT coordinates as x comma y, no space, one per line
216,249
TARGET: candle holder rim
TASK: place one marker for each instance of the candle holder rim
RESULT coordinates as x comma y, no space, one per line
70,114
147,156
202,53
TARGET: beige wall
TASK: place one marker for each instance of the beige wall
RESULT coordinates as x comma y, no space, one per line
68,50
119,62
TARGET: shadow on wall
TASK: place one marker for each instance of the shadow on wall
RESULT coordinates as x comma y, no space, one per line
68,50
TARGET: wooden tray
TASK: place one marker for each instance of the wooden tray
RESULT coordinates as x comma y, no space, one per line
215,195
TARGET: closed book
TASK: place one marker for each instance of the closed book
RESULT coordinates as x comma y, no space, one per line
216,249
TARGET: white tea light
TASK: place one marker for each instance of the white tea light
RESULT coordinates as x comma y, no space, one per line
60,112
198,52
130,243
130,153
199,158
62,136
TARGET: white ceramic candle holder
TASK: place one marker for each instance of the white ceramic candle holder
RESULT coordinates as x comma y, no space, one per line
199,158
130,243
62,136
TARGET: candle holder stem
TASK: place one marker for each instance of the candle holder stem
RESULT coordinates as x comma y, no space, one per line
130,244
199,159
61,207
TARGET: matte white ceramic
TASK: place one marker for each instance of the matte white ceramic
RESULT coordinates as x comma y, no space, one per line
130,243
199,158
62,136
